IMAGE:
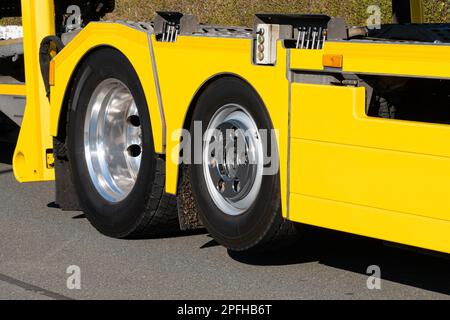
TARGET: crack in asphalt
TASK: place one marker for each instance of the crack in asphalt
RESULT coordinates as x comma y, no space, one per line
32,288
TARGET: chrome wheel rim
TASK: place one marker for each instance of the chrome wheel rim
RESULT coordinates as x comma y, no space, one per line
113,140
233,159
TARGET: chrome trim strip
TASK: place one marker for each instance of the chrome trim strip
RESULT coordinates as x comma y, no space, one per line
158,92
288,169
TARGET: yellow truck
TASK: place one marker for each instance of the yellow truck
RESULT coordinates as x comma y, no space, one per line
153,127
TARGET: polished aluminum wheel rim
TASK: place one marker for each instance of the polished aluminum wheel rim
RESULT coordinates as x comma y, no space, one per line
112,140
233,172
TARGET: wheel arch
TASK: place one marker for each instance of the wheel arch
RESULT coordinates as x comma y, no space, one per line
211,80
96,36
190,110
62,121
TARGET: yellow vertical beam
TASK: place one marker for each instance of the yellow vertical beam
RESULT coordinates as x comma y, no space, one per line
417,15
29,162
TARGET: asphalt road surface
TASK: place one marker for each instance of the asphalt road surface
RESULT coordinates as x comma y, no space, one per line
39,242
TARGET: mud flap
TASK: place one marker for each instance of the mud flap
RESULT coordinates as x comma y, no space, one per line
187,205
66,197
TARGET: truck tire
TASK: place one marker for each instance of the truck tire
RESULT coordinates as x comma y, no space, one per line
239,206
117,175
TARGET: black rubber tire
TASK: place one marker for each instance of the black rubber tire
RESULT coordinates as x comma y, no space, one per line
261,226
147,211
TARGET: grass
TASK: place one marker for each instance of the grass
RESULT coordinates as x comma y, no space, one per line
240,12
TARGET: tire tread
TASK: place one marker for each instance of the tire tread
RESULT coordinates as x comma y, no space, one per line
161,214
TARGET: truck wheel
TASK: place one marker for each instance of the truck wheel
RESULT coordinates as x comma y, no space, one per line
117,175
238,204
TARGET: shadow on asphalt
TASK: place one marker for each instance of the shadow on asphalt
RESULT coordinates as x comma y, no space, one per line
354,253
5,171
79,216
175,234
6,153
53,205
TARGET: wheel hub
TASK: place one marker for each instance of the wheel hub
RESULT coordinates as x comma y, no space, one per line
113,140
232,159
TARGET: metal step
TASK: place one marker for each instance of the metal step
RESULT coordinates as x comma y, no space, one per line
12,106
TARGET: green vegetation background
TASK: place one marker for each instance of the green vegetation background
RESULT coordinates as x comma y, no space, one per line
240,12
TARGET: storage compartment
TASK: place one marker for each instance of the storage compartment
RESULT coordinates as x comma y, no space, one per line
340,154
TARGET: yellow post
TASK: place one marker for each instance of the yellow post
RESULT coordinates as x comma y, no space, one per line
30,159
417,15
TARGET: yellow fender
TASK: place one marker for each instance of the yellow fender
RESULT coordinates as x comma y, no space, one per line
185,66
133,43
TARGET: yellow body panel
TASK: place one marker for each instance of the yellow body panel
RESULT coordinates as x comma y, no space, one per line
30,159
13,89
134,44
307,59
379,58
376,177
185,65
392,226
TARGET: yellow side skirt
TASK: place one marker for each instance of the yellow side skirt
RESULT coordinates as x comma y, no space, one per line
392,226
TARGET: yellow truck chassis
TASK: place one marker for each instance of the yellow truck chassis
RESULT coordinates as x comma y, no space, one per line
342,165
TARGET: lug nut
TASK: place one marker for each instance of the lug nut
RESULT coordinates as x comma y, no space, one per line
236,185
221,186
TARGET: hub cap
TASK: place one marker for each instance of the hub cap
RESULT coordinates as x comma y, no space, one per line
113,140
233,159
